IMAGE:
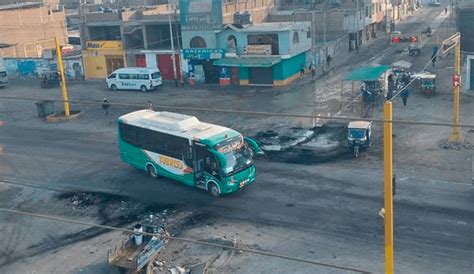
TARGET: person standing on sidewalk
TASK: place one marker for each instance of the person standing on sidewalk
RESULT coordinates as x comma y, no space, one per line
312,67
328,60
405,94
302,71
106,106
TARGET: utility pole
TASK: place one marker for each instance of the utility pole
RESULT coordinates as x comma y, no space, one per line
179,46
357,19
388,184
63,79
324,36
386,15
456,136
173,57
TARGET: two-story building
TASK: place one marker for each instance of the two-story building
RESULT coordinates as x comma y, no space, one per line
116,37
141,35
271,54
201,23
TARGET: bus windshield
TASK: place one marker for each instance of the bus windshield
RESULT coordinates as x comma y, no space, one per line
155,75
236,155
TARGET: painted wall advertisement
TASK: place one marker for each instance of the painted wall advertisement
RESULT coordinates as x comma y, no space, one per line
200,14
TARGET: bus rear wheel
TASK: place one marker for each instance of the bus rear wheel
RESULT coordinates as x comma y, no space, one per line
213,189
151,171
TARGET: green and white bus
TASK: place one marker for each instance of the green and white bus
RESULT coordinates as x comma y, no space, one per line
181,147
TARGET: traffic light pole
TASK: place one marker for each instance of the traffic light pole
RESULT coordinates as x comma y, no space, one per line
456,136
63,78
388,183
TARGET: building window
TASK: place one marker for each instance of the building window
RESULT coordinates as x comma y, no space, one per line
265,39
296,38
197,42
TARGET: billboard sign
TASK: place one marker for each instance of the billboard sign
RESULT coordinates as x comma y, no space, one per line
104,45
203,54
258,50
450,43
200,14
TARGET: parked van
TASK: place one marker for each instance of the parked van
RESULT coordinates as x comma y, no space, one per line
143,79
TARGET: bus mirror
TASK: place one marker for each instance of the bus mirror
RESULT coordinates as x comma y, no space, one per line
222,160
254,146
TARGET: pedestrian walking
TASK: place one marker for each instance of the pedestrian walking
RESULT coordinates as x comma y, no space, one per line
150,105
313,71
433,60
301,71
446,10
406,78
328,60
405,94
106,106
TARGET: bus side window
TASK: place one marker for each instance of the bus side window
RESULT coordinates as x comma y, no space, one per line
143,77
123,76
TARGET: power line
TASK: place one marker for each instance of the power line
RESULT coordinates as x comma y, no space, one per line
182,239
398,91
246,112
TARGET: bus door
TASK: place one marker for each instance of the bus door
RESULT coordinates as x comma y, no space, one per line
200,152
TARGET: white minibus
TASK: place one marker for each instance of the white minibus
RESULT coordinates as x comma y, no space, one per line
142,79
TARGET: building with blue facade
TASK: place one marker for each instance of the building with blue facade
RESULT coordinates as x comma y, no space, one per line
241,52
270,54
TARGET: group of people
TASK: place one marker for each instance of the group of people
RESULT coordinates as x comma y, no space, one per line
395,84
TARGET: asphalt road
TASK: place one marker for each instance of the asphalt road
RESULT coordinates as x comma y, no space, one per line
324,212
325,208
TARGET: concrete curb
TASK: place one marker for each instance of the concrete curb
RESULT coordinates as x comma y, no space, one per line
54,118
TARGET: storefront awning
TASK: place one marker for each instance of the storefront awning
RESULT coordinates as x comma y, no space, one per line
367,73
248,62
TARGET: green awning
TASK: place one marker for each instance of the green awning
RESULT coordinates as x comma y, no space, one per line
367,73
248,62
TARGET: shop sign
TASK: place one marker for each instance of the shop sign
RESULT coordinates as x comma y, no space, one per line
258,50
203,54
200,14
104,45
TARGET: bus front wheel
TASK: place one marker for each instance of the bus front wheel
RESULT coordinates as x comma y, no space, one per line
113,87
150,169
143,89
213,189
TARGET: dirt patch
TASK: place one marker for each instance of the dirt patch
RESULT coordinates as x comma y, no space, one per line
457,145
306,146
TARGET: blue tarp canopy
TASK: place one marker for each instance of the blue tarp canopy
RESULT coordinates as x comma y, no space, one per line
367,73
